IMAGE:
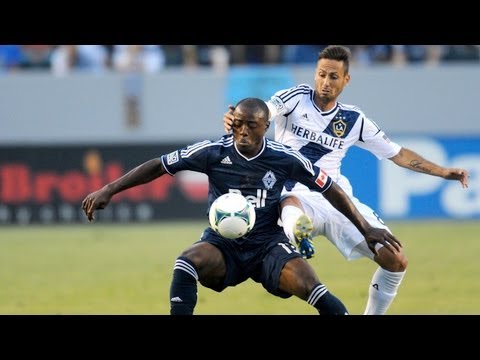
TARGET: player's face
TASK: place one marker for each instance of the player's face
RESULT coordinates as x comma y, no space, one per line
248,130
330,79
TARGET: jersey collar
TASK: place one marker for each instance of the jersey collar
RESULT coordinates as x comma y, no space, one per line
256,156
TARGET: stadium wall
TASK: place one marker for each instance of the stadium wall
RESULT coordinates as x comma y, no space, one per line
62,137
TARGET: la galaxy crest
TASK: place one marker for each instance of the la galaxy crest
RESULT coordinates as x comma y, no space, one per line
339,126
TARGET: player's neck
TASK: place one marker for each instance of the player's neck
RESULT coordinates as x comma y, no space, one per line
251,152
325,106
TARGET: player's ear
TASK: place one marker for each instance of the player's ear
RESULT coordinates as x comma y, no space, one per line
267,125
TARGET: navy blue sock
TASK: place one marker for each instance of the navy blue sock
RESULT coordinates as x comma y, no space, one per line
325,302
183,290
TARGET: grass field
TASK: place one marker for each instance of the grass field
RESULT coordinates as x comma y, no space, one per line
126,269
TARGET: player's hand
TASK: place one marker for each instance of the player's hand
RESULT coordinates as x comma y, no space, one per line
458,174
306,248
96,200
228,118
384,237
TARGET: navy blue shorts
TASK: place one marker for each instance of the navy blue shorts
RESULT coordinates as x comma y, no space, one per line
261,262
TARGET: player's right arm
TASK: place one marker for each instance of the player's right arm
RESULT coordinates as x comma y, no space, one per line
409,159
228,118
142,174
281,103
377,142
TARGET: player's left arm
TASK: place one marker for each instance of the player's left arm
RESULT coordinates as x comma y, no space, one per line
409,159
318,180
342,202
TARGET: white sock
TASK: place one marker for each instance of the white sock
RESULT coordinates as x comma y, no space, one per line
382,291
289,217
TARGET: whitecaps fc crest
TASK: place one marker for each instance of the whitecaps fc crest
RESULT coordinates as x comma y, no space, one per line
269,180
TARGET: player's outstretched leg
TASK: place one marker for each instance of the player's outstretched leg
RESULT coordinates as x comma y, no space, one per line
298,228
297,277
303,236
183,290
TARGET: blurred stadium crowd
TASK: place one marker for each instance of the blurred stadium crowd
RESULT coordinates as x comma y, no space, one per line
63,59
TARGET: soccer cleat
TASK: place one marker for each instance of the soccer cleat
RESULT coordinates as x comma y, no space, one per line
303,228
303,236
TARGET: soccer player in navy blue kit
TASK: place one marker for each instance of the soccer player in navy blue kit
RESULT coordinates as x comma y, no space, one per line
248,163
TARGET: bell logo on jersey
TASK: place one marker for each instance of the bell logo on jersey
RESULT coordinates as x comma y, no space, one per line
321,178
257,201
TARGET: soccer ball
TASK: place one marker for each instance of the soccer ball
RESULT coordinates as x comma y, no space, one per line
232,215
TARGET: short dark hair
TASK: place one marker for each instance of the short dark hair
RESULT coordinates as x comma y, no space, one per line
253,103
337,52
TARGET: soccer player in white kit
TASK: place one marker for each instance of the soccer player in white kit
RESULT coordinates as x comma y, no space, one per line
323,129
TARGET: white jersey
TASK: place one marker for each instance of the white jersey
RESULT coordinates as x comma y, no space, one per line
325,137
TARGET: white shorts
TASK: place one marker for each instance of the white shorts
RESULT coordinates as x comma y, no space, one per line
332,224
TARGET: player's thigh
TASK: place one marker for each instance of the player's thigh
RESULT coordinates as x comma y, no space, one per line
342,233
209,261
230,269
277,254
298,278
291,200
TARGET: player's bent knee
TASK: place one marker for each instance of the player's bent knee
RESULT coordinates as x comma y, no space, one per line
291,201
401,262
397,262
402,266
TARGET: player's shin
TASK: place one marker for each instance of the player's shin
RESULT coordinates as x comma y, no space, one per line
382,291
183,289
325,302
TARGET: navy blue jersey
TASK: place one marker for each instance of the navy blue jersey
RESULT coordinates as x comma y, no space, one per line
260,179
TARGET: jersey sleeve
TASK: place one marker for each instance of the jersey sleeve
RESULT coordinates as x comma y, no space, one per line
284,101
374,139
310,175
193,157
